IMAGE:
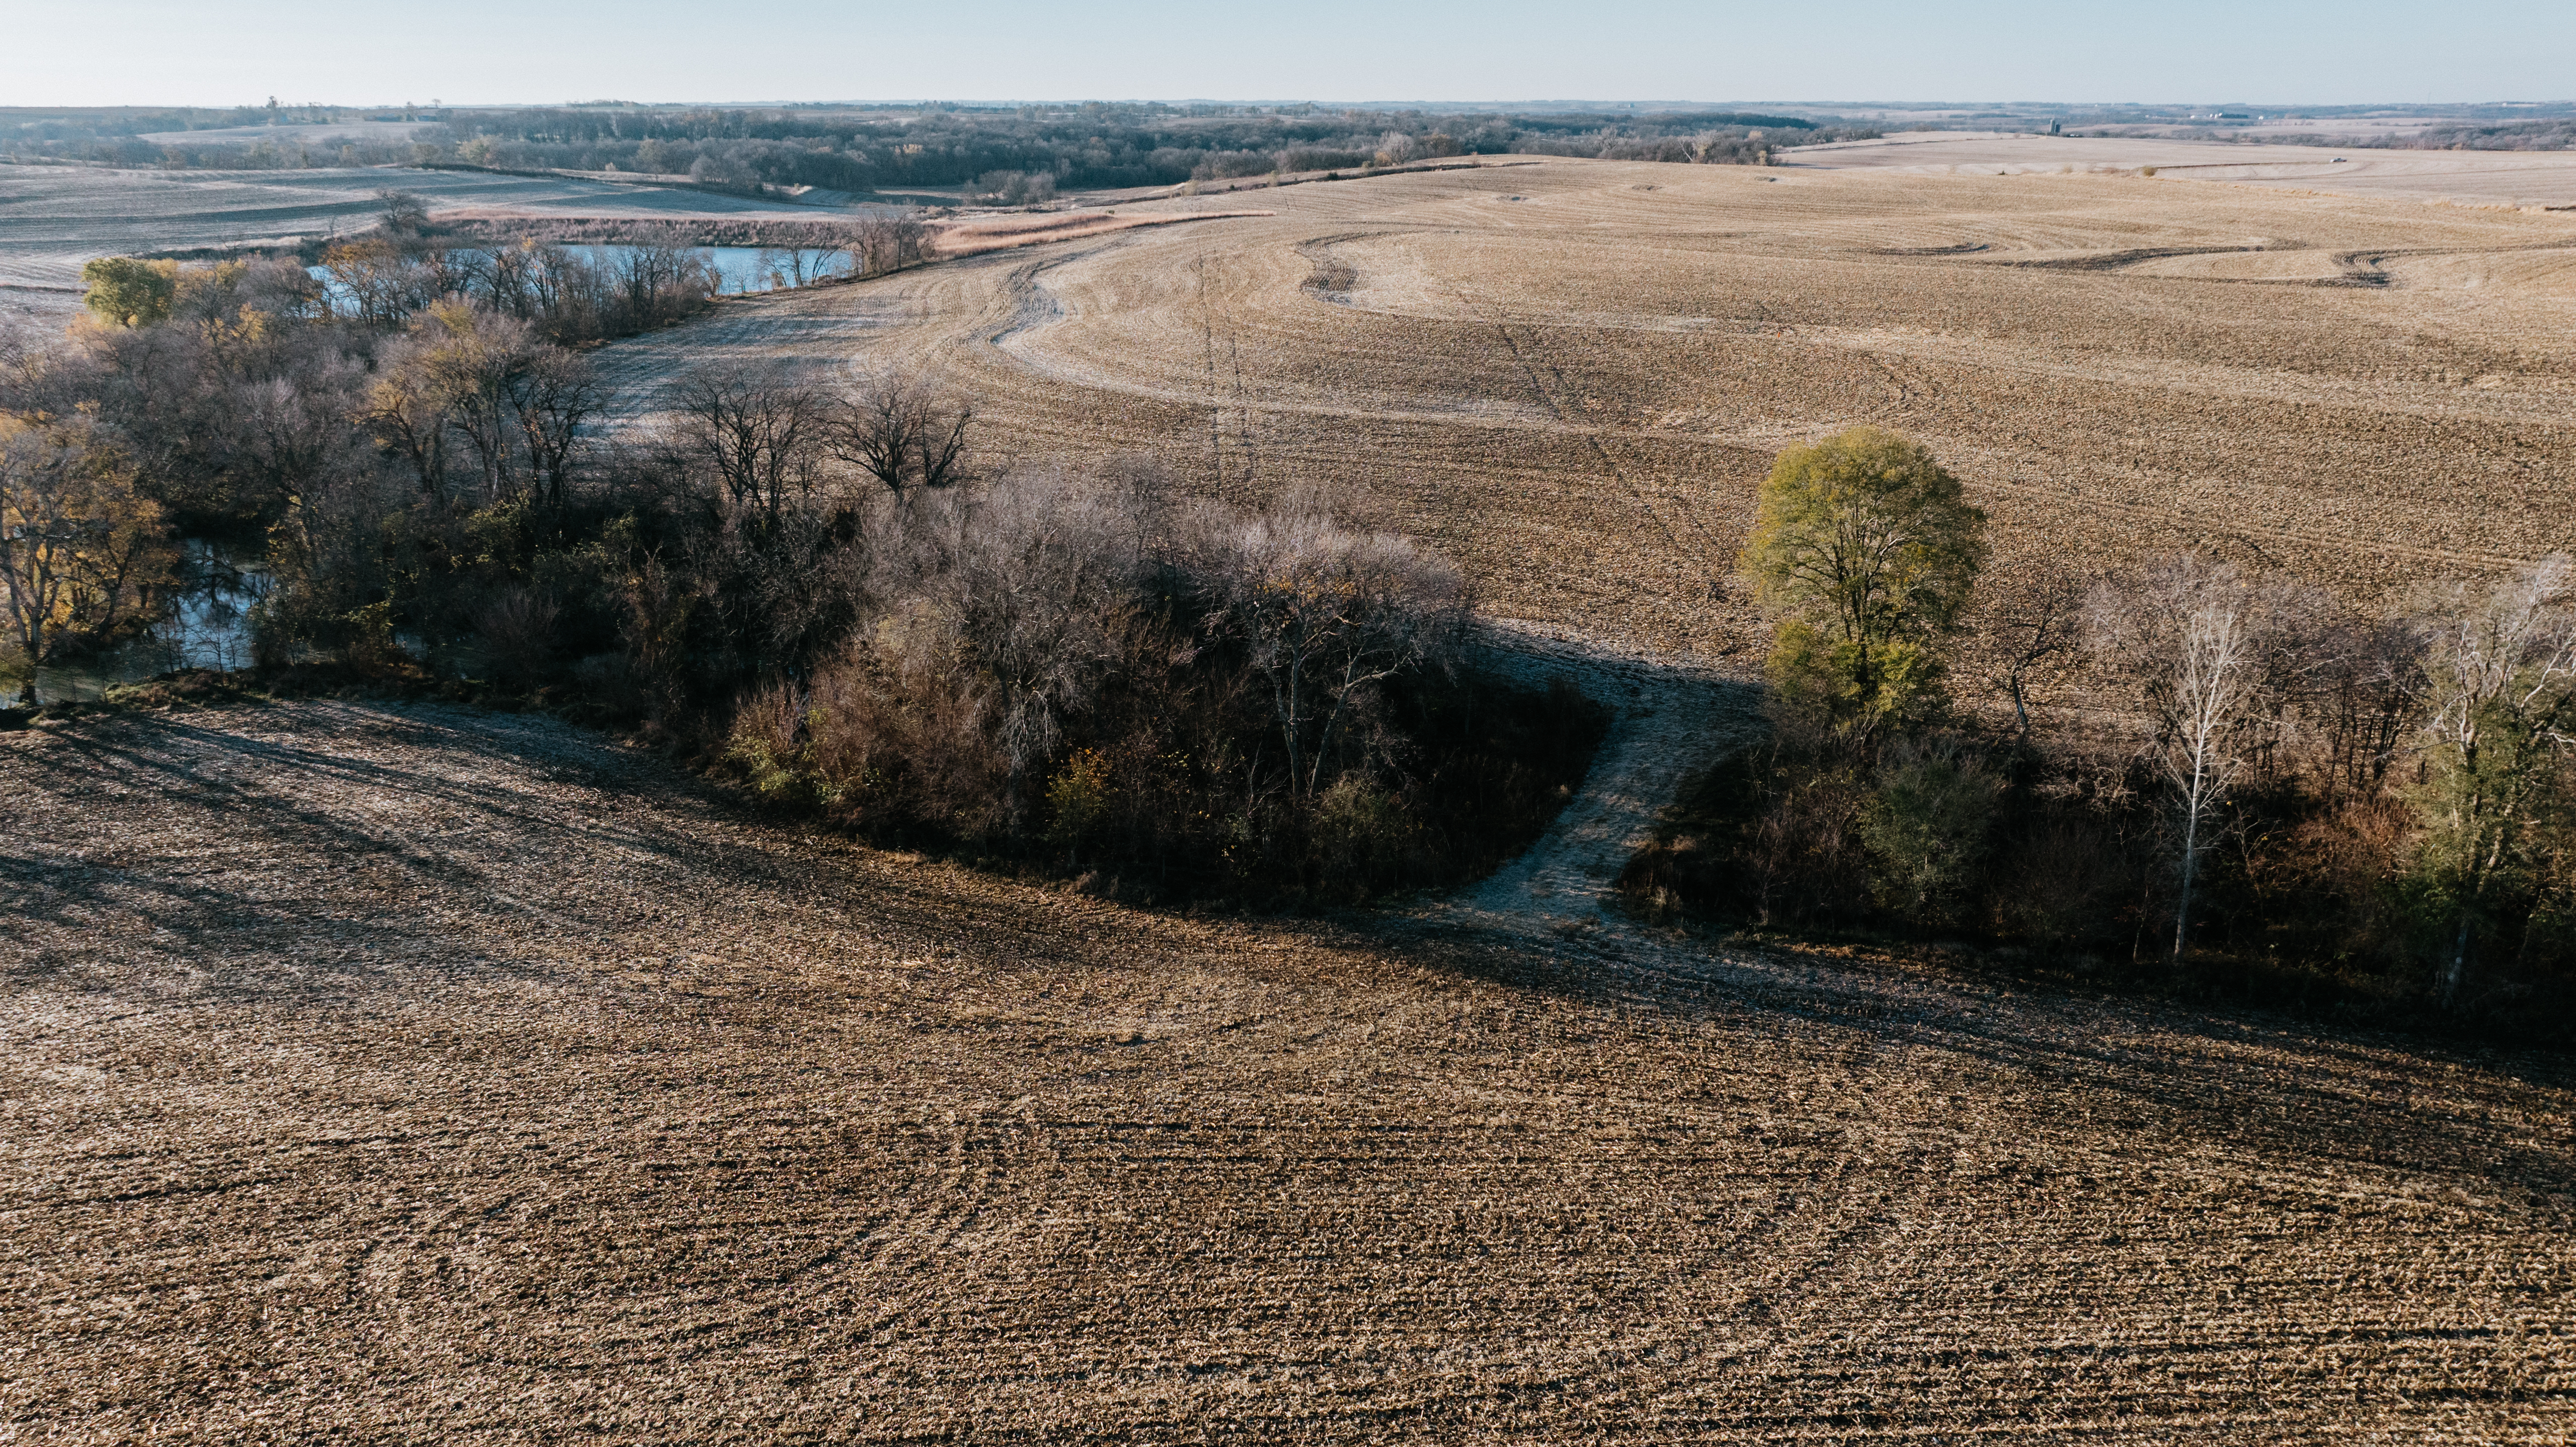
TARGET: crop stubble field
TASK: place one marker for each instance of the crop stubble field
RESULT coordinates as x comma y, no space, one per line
1572,375
433,1076
423,1075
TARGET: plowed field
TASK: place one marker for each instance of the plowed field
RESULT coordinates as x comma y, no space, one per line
413,1075
405,1074
1571,375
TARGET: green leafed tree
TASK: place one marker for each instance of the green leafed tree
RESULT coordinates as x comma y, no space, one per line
1864,553
126,291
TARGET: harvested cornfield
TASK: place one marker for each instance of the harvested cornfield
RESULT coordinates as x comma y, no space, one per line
1571,374
383,1074
974,238
404,1073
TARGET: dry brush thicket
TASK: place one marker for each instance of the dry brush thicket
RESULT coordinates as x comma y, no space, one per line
425,1075
822,584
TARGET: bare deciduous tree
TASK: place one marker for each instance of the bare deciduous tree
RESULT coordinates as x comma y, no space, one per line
1043,575
517,404
902,433
2038,617
2208,648
1325,615
404,213
553,396
762,439
296,429
881,244
2364,695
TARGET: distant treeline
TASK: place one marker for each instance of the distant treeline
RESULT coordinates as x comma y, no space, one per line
2549,135
1090,146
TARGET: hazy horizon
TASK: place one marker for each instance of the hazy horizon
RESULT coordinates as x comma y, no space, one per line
1499,105
2303,53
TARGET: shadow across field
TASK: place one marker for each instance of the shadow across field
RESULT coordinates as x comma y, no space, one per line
362,1057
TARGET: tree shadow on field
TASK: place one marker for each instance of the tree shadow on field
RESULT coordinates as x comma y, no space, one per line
205,836
389,843
2184,1079
2186,1076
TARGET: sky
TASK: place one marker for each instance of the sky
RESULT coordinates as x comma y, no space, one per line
479,52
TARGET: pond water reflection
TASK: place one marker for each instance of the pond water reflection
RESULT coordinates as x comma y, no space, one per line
739,269
750,268
208,626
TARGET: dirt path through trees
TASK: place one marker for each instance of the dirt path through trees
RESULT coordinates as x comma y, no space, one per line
1668,719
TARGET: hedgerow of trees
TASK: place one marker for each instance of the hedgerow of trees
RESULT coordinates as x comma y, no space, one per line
2274,792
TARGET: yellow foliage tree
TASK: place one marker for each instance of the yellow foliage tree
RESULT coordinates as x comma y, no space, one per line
82,554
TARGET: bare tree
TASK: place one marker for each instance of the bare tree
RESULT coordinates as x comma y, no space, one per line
661,279
794,264
1041,578
2365,695
1325,616
295,429
2037,618
518,405
2207,647
762,439
2500,704
377,283
553,396
902,433
404,214
881,244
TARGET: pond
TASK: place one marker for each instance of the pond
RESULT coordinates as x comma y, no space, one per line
208,626
742,268
739,269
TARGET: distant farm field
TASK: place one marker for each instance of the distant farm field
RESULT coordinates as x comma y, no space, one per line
2542,179
1572,374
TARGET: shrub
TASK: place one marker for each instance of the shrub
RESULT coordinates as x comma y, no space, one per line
1078,801
1362,839
1927,826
